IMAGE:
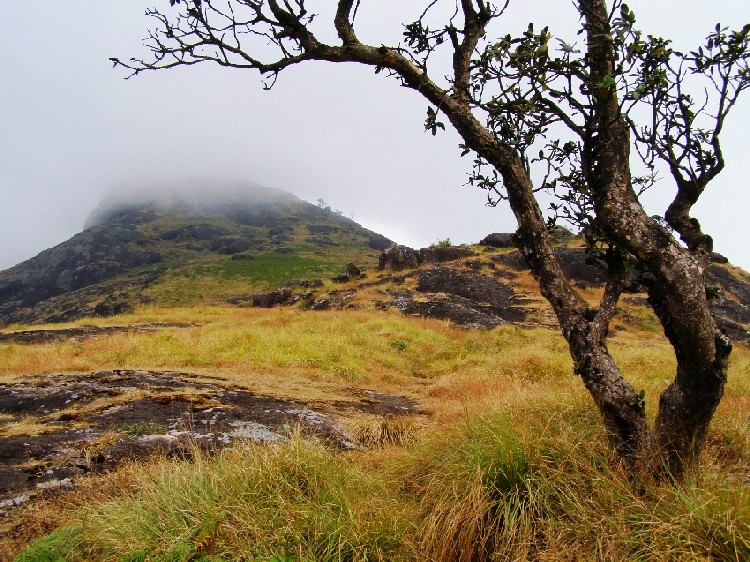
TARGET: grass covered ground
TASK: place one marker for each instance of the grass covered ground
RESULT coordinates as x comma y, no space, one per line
510,464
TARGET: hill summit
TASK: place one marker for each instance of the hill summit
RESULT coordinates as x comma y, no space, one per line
173,246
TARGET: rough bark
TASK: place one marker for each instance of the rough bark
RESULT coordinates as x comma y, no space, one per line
677,286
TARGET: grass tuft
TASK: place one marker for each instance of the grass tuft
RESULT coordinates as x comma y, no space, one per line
60,545
379,431
250,503
515,485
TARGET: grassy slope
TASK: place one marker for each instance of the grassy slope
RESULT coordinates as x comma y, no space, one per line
511,460
209,278
195,269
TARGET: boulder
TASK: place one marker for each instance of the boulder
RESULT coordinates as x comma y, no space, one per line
398,257
467,284
442,254
498,240
557,234
459,310
323,304
230,245
271,299
456,309
353,271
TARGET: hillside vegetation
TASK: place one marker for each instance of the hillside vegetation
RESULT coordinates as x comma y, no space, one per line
429,413
506,455
182,249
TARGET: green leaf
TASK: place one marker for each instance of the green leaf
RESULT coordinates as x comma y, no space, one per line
608,82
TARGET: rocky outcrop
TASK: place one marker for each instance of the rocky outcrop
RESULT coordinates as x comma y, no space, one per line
397,258
467,284
497,240
231,245
171,413
466,298
272,298
460,311
96,255
576,265
558,234
443,254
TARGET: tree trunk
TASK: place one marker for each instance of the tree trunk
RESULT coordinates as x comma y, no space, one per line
621,408
677,289
677,285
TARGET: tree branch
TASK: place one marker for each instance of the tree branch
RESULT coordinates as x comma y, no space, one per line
343,23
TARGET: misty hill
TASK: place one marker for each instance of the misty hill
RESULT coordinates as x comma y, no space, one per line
166,249
255,246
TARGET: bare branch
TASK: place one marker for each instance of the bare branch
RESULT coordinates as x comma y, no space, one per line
343,23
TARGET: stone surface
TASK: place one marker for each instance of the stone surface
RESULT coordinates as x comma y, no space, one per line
464,297
442,254
182,413
272,298
397,258
498,240
467,284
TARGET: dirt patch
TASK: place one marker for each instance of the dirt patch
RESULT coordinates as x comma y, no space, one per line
57,427
380,404
83,332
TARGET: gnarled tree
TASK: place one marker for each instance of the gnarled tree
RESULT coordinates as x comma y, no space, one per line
576,111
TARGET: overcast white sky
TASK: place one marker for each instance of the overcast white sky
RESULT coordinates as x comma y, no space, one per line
72,128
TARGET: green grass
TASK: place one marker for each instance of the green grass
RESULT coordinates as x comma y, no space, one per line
274,269
512,463
217,279
254,502
531,479
539,483
60,545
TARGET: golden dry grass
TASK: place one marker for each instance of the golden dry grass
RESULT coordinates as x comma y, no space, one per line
511,463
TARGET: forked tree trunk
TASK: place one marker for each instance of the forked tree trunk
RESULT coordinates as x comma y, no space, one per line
677,285
677,290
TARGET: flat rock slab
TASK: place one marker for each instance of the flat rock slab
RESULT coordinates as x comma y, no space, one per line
91,422
83,332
